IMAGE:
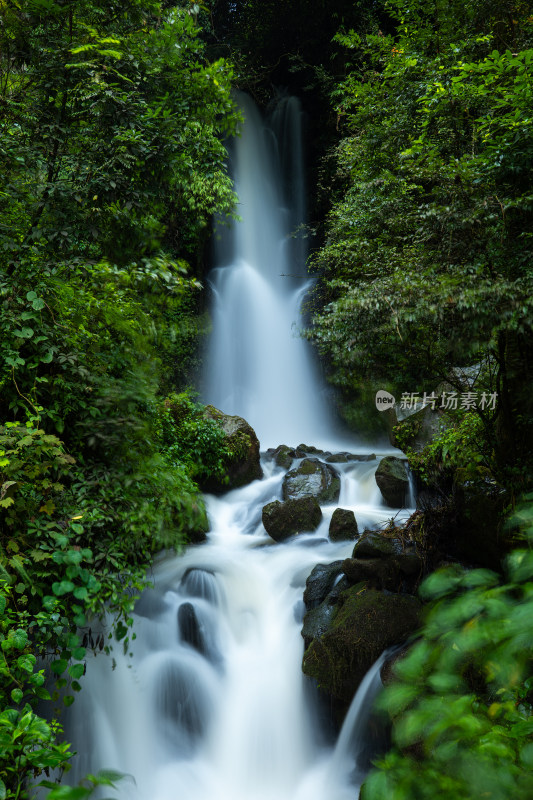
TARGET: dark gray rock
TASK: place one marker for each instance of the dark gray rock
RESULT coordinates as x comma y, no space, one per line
282,520
343,525
189,628
392,479
312,478
320,582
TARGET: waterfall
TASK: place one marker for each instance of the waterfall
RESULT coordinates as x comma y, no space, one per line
210,702
258,365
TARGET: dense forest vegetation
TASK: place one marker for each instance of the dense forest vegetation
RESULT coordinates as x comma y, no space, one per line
113,118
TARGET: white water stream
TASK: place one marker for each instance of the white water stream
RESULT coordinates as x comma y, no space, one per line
211,704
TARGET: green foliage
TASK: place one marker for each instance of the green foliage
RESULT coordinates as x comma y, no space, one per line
193,439
460,449
427,258
28,744
113,163
462,699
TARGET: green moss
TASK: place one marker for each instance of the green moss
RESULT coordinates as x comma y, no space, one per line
365,623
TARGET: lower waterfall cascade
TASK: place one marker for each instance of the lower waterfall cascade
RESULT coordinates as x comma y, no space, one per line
210,702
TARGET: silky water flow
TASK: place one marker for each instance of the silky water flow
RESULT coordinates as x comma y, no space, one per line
210,702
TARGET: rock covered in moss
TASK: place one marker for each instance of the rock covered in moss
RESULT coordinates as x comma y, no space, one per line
243,466
374,544
283,456
312,478
393,481
384,562
349,637
343,525
282,520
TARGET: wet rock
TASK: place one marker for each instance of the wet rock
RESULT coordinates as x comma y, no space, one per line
312,478
384,563
317,622
282,520
337,458
308,448
373,544
345,639
392,479
343,458
318,619
343,525
189,628
196,630
283,456
243,466
320,582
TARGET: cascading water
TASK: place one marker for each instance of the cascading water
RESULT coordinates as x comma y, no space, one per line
258,365
211,703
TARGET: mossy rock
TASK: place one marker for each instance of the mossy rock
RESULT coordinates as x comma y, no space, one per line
343,525
373,544
243,466
312,478
393,481
364,623
384,562
282,520
283,456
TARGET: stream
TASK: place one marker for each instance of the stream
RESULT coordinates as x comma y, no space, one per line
210,702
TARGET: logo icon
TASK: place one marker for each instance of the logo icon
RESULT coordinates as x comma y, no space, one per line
384,400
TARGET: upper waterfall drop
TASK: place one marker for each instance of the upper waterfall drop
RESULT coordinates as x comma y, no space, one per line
259,366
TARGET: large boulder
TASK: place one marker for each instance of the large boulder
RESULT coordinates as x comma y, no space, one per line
343,525
243,466
393,480
346,639
312,478
282,520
